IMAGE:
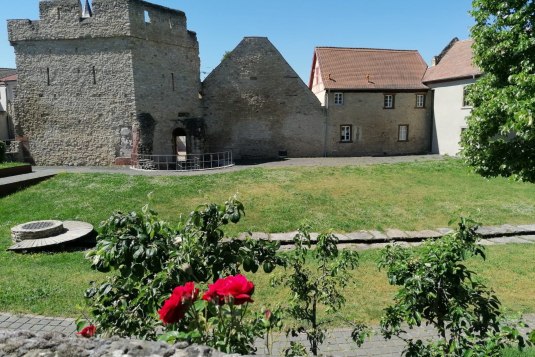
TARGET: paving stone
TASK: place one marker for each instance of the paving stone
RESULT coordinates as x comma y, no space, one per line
530,238
508,240
515,229
423,234
54,322
260,235
67,323
283,237
395,233
444,230
15,326
342,237
493,230
528,227
360,236
378,235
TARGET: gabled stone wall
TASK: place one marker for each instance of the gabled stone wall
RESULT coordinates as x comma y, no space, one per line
258,107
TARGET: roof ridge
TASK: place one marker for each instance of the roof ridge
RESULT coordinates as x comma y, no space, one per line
364,48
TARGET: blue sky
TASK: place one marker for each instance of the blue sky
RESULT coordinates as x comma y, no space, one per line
297,26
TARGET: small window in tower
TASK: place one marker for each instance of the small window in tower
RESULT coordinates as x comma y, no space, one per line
146,15
173,81
94,75
48,76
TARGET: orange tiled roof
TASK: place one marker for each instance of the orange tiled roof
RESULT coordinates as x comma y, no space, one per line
13,77
370,69
455,64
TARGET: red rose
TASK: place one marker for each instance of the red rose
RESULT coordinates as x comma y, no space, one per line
88,331
215,292
178,303
236,287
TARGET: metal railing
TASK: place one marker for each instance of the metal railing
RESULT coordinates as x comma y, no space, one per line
188,162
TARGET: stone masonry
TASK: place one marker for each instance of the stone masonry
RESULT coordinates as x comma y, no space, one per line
85,81
101,87
376,129
258,107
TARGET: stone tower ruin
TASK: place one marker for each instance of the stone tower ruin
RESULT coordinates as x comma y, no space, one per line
100,81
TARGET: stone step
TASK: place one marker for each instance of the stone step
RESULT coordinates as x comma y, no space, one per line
11,184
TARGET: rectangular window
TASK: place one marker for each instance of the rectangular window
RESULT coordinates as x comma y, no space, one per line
345,133
420,100
173,81
389,101
338,98
403,133
48,76
466,101
94,75
146,16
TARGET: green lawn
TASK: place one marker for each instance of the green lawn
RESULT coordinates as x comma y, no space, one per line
4,165
407,196
515,353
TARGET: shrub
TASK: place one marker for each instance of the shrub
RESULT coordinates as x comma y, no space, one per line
149,257
309,290
217,320
437,289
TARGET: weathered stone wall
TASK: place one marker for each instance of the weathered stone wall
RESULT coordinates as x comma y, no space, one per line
75,101
167,86
54,344
256,105
62,19
375,130
83,82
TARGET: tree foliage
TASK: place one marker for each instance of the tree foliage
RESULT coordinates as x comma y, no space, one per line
500,138
438,289
310,290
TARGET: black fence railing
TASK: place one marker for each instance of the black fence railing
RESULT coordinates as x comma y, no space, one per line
188,162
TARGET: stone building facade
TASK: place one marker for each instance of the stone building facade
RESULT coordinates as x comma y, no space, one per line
375,100
101,83
97,85
258,107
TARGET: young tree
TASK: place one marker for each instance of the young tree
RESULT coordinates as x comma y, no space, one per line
500,139
436,288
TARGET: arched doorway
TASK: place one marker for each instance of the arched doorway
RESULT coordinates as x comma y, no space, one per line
180,144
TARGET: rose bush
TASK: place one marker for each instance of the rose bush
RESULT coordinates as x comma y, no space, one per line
217,320
88,331
174,308
232,288
149,257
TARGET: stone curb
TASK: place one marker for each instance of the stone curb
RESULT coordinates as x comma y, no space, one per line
396,235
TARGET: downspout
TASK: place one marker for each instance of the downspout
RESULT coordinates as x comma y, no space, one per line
326,124
432,136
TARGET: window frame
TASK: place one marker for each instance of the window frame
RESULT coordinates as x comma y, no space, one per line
340,96
406,133
422,106
346,138
393,102
466,103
